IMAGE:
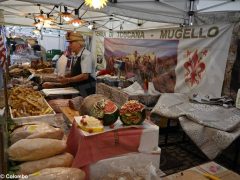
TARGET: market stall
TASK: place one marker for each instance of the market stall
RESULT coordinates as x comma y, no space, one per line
55,132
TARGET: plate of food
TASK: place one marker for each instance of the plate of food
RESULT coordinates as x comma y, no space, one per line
90,125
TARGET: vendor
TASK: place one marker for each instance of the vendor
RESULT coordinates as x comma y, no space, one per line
82,75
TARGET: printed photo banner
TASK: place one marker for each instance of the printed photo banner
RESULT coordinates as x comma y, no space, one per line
2,47
187,60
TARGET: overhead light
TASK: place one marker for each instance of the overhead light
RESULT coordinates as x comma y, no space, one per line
96,4
66,15
40,17
48,21
90,26
38,24
77,22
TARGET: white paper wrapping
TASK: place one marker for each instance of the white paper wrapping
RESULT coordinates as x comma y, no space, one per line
148,164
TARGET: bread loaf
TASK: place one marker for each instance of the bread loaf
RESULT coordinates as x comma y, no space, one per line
35,149
60,173
61,160
30,131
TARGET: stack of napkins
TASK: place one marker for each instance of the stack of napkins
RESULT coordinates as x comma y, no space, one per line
60,91
136,89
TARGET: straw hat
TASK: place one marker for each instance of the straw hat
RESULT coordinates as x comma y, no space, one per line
75,36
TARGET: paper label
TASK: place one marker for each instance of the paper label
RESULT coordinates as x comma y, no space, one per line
36,174
31,128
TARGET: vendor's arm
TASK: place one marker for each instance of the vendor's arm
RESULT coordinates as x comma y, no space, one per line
61,82
78,78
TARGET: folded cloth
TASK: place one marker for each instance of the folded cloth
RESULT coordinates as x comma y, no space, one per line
136,89
174,105
212,128
218,117
221,101
211,141
152,90
167,105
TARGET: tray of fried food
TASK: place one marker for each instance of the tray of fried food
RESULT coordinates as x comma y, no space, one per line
26,102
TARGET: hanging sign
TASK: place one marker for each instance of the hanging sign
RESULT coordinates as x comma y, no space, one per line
186,60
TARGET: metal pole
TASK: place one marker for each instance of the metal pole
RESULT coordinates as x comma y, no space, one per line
191,13
6,116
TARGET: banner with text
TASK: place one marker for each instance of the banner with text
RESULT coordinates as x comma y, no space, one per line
187,60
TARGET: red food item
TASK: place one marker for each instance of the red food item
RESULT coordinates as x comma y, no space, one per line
132,113
131,106
103,72
90,130
109,107
111,126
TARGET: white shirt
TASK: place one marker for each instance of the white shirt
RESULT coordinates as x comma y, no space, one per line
87,62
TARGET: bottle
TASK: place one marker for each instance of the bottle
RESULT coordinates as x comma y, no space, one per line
145,85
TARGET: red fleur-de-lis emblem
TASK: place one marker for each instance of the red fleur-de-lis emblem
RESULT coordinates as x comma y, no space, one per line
195,67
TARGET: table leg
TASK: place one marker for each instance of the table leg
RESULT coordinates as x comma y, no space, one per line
237,153
167,129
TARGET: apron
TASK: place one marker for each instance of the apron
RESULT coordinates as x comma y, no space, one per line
86,87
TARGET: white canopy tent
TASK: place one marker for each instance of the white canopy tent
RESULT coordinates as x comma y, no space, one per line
118,14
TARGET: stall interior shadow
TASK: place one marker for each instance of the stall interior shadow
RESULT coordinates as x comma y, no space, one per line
181,153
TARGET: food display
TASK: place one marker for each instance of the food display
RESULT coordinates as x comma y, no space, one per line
90,124
45,71
19,72
40,64
105,110
27,102
100,107
132,113
23,82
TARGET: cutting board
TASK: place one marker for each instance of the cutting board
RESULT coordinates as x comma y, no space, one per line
189,175
69,113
